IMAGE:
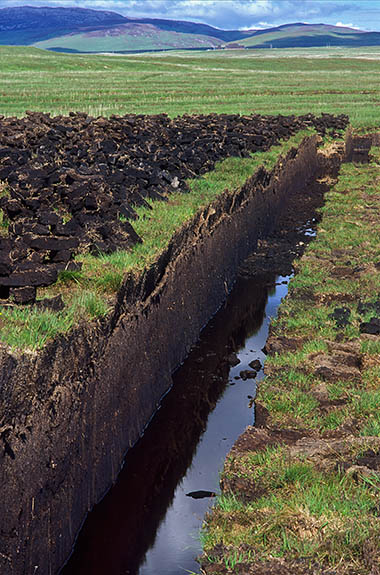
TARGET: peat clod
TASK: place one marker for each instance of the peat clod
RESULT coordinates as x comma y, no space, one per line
201,494
372,327
51,304
233,359
71,183
248,374
341,316
255,365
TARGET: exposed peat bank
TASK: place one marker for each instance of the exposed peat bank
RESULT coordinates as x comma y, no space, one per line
73,407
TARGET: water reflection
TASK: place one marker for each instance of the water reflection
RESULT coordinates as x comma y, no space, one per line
146,524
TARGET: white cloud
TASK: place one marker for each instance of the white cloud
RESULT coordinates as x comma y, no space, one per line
348,26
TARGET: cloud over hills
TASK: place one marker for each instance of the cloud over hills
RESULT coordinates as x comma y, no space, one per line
232,14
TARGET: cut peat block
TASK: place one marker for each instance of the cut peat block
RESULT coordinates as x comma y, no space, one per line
73,184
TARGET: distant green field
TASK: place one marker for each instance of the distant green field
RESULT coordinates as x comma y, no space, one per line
289,81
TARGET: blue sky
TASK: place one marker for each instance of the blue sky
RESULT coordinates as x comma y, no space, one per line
230,14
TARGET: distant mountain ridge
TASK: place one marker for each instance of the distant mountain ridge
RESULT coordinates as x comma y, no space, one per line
86,30
25,25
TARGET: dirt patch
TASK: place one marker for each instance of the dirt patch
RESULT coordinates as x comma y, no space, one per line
338,366
283,344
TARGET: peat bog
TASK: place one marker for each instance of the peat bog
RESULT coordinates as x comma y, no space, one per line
70,190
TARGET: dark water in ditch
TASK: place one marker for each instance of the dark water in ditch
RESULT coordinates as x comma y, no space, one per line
147,524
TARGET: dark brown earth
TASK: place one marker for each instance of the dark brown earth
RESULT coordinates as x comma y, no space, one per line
71,184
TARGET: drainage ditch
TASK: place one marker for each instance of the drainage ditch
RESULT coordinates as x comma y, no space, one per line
149,522
73,408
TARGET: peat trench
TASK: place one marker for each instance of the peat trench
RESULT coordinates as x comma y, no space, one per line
149,522
72,409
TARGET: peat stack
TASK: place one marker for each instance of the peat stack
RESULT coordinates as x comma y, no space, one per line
70,184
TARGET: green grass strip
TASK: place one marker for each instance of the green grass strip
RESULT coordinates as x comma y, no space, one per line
90,293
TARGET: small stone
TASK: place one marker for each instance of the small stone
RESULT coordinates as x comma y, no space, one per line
255,364
175,183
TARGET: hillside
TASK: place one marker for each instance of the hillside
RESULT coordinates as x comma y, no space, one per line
25,25
128,37
82,30
301,35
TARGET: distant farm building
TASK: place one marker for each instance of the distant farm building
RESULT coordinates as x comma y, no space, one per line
234,46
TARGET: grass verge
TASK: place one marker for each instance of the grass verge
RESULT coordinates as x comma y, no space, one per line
90,293
305,500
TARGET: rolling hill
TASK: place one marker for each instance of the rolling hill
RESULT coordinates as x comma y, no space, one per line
91,31
128,37
83,30
302,35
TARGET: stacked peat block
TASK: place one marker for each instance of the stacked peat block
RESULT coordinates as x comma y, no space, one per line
72,183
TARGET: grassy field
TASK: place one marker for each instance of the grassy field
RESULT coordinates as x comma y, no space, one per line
265,81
